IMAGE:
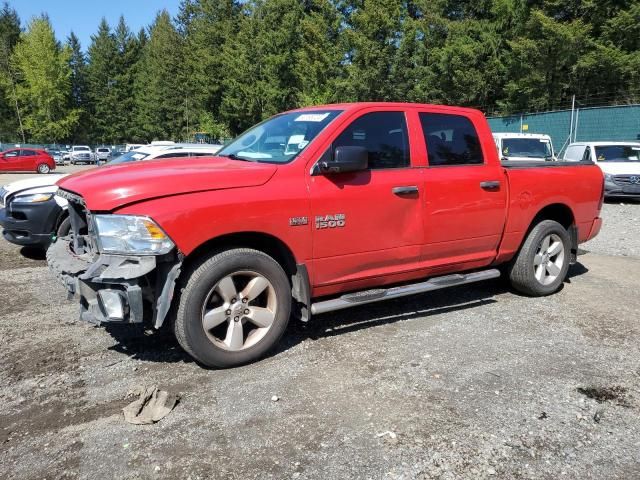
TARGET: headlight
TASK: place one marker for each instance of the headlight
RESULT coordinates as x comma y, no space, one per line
608,177
33,198
131,234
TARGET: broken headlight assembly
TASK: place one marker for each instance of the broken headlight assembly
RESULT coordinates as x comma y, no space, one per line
130,235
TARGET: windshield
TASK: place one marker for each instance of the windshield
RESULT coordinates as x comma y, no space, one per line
618,153
131,156
281,138
81,149
526,147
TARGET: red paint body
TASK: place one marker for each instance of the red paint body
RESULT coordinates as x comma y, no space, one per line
25,160
450,225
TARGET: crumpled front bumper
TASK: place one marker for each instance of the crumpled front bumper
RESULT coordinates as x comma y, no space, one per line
113,288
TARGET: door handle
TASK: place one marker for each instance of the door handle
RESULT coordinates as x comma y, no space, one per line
405,191
490,185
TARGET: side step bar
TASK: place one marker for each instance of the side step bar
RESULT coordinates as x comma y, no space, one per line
378,295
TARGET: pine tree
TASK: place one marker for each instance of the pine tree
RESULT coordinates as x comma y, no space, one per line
206,25
318,60
260,76
371,44
10,115
125,67
45,89
102,99
541,64
78,66
160,92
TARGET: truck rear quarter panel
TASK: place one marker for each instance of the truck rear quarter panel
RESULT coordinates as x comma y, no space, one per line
531,189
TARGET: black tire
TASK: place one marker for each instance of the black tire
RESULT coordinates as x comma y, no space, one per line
522,270
197,287
64,228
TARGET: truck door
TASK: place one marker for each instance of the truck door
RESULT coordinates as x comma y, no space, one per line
368,223
465,192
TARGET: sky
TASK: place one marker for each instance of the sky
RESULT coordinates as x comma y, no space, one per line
83,16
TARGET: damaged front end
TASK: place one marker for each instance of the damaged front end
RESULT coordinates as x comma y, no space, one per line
113,286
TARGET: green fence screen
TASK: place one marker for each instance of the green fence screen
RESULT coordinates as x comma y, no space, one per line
619,123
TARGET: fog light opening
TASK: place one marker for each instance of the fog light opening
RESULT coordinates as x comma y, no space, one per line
111,303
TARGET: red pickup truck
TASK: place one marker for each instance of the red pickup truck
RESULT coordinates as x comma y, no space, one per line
316,210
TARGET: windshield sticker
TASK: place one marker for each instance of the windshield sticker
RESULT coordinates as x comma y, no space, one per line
311,117
303,144
138,156
254,155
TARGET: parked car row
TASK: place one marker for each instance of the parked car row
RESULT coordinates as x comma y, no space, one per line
619,161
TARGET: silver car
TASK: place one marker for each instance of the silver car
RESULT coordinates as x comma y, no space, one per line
103,154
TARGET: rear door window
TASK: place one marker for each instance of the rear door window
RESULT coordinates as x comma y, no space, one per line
383,134
451,140
27,153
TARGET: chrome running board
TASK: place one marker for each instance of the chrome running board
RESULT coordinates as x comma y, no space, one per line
380,294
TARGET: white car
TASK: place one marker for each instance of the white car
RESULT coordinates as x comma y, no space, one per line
524,146
176,150
82,154
132,146
103,154
619,161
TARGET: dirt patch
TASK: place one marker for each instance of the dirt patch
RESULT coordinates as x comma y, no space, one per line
615,394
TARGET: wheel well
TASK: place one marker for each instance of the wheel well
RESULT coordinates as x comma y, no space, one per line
558,212
562,214
64,214
263,242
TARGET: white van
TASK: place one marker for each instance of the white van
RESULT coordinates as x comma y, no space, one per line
524,146
619,161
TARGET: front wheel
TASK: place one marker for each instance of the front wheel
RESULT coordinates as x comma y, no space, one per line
43,168
543,261
233,308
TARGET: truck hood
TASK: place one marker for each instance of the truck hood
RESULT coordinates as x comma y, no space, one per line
110,187
620,168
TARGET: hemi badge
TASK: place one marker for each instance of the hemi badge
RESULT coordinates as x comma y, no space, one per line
296,221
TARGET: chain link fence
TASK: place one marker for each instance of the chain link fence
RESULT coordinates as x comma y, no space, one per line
615,123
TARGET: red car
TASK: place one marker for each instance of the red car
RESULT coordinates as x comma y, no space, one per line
316,210
26,160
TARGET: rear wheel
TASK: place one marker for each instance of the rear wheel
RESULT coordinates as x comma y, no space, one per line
233,308
43,168
543,261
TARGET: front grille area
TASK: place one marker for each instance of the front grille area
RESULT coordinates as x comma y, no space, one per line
627,179
81,227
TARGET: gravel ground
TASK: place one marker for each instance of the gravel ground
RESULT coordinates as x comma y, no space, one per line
474,382
15,176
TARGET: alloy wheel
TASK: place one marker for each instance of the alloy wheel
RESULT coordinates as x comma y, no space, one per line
239,310
549,259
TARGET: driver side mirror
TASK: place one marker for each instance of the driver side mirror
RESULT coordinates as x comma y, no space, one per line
346,159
